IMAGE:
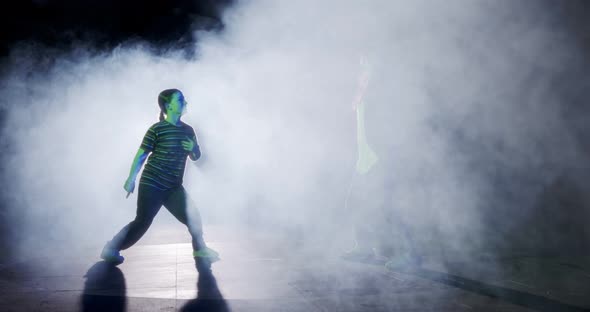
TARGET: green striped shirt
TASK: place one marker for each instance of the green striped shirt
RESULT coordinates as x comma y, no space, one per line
165,166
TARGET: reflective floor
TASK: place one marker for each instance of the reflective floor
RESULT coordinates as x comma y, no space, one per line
259,273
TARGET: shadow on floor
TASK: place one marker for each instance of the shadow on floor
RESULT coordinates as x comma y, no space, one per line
531,301
209,298
528,300
104,289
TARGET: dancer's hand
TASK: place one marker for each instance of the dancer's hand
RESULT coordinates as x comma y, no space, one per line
129,186
188,145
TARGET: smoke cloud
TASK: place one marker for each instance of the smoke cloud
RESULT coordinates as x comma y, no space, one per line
480,129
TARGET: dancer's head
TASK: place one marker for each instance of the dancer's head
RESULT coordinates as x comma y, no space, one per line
171,101
365,63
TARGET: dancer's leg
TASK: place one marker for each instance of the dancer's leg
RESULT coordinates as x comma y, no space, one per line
178,203
358,207
149,201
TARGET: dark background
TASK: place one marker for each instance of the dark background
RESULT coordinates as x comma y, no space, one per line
163,24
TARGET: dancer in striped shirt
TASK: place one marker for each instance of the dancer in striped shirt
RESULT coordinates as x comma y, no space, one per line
168,143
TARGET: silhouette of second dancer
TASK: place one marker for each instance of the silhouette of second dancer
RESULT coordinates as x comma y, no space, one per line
370,196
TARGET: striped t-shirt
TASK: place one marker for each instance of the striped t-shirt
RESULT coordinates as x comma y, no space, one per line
165,166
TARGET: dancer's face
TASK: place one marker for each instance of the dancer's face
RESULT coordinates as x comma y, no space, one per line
177,104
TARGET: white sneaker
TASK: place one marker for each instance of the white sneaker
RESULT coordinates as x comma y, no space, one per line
206,253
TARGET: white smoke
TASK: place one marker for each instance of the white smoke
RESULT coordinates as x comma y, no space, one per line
270,98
